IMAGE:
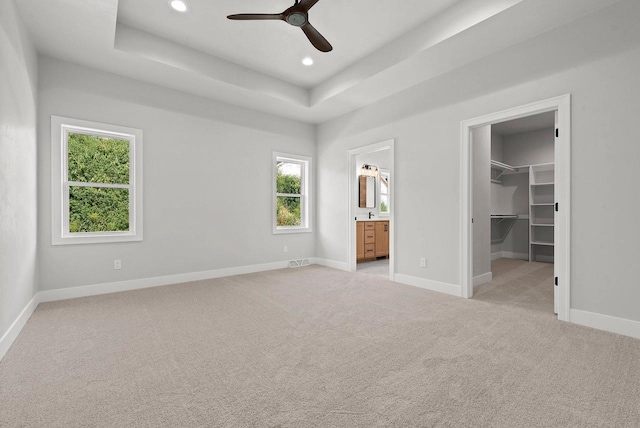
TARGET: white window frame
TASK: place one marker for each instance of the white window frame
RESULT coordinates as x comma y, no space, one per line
305,186
60,234
388,174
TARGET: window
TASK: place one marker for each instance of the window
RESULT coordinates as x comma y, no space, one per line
291,193
97,182
384,192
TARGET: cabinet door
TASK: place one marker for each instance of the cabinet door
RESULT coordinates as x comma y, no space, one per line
359,240
382,239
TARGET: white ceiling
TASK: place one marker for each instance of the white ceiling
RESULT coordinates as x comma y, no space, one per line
381,48
355,28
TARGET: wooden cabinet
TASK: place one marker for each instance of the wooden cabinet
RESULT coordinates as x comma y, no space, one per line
372,240
382,239
369,240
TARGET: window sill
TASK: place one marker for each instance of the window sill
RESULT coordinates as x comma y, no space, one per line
288,230
95,238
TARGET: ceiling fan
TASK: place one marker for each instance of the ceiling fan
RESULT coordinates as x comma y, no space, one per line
298,16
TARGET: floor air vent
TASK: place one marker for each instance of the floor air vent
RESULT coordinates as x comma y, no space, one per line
299,263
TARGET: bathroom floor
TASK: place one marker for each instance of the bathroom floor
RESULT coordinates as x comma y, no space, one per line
375,267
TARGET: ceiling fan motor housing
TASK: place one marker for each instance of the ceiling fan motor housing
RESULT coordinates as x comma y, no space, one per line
297,19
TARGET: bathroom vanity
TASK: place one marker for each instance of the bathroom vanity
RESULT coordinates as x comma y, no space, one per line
372,239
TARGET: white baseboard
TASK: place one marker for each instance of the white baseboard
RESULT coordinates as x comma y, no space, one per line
137,284
482,279
520,256
14,330
598,321
330,263
441,287
605,322
113,287
512,255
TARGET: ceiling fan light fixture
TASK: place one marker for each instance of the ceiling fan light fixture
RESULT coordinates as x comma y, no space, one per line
178,5
297,19
307,61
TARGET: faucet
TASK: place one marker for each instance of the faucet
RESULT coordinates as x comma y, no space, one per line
371,215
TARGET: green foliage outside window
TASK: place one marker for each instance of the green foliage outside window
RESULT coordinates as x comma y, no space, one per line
93,159
288,207
98,209
384,192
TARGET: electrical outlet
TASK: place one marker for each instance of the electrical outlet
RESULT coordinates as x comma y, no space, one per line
286,249
423,262
117,264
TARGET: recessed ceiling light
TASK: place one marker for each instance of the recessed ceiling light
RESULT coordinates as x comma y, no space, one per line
178,5
307,61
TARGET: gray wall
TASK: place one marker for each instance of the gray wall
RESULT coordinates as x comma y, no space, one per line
515,192
207,180
481,155
496,203
511,197
496,147
426,126
18,194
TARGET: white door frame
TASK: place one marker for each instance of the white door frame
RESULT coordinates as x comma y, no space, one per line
353,200
562,105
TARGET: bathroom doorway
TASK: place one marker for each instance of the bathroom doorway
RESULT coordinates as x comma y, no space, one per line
371,226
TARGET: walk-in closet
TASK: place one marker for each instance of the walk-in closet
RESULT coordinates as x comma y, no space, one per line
514,203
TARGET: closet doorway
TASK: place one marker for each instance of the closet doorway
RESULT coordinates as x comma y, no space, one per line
516,206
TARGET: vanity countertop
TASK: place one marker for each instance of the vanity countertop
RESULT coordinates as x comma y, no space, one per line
374,219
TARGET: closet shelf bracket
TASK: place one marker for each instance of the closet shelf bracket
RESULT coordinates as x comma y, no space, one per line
510,221
502,169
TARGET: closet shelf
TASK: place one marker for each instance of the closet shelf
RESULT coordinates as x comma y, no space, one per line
501,166
509,169
504,169
549,244
541,197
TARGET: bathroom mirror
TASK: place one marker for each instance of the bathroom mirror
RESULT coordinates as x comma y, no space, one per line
367,192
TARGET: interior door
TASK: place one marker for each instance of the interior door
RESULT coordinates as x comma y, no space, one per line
556,265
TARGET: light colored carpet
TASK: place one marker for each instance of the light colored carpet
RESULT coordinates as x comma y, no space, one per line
519,283
312,347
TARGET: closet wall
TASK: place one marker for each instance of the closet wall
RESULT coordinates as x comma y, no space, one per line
512,196
529,148
481,158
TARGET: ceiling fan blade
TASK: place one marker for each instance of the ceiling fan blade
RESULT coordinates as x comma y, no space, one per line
256,16
316,38
307,4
